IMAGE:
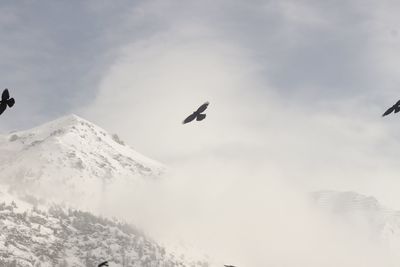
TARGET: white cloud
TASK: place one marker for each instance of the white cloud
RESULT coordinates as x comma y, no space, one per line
157,82
287,96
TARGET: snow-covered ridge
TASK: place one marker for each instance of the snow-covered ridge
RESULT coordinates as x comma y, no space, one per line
347,201
87,140
357,210
69,158
58,237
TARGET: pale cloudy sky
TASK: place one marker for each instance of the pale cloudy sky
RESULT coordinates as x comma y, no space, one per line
58,54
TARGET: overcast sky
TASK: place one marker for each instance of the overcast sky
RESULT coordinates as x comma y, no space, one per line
58,55
297,87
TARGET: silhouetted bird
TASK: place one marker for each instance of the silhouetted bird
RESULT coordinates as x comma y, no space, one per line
197,114
395,108
229,266
103,264
6,101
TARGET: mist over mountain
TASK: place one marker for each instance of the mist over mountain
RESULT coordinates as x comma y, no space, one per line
55,181
72,194
363,214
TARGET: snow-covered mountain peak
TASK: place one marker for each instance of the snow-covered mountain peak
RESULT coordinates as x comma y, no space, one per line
72,125
73,152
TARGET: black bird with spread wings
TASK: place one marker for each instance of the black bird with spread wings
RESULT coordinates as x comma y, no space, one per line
197,114
103,264
395,108
6,101
229,266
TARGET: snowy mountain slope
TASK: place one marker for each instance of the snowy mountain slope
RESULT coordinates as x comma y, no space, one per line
56,237
69,153
75,163
362,212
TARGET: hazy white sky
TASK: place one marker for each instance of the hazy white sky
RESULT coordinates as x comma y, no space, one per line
296,86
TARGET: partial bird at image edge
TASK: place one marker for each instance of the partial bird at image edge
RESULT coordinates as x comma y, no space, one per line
395,108
6,101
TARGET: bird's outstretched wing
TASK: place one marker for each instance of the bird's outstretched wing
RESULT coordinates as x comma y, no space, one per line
5,95
103,264
200,117
10,102
202,107
190,118
229,266
390,110
3,106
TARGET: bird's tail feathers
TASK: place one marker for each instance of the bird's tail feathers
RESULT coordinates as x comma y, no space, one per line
10,102
200,117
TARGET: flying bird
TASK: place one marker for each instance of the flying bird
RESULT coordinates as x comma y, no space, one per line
197,114
103,264
6,101
229,265
395,108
